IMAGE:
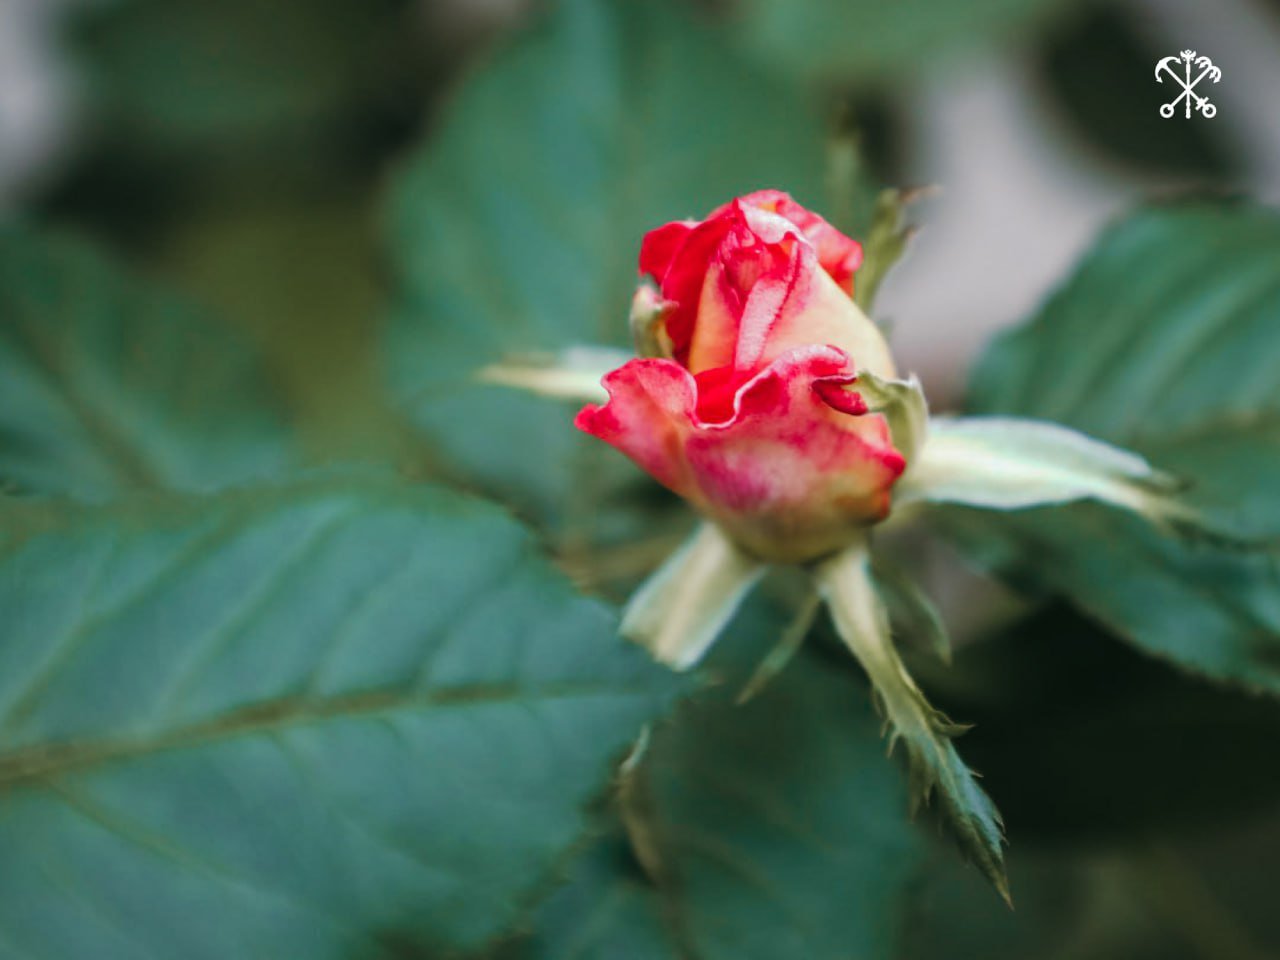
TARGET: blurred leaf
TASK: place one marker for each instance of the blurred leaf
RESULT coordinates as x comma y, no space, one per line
184,77
1233,873
841,39
868,149
1233,462
202,119
296,723
1213,611
1101,758
607,908
1098,70
1084,740
1163,342
952,912
107,384
190,109
774,829
1160,330
517,229
1073,903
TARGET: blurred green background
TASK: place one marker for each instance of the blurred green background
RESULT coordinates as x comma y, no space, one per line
279,164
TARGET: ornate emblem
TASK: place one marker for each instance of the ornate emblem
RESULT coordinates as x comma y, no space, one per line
1179,68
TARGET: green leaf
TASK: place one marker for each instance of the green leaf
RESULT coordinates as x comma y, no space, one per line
1161,342
1212,611
517,228
107,384
843,39
343,716
1233,462
1162,329
774,829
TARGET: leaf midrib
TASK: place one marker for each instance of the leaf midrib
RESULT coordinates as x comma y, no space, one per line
45,761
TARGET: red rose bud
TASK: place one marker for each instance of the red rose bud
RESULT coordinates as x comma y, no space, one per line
750,409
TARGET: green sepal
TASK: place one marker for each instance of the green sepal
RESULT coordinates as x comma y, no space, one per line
678,612
572,374
910,606
935,768
903,405
648,322
789,643
885,243
1009,463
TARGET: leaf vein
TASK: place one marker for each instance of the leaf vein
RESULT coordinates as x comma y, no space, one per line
135,834
42,762
253,602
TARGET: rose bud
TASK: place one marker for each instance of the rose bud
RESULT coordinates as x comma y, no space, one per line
747,402
765,397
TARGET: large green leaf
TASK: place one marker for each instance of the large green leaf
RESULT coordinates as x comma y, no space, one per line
107,384
342,717
773,829
832,39
1163,341
1163,328
518,227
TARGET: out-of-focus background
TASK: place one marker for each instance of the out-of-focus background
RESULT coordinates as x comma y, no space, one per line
1037,138
241,150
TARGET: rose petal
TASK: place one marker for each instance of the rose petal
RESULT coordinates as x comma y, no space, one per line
789,471
834,395
785,470
776,298
682,280
839,255
659,247
718,393
816,311
761,267
649,415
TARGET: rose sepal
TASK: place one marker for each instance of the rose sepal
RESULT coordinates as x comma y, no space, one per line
903,405
572,374
1009,463
936,771
680,610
